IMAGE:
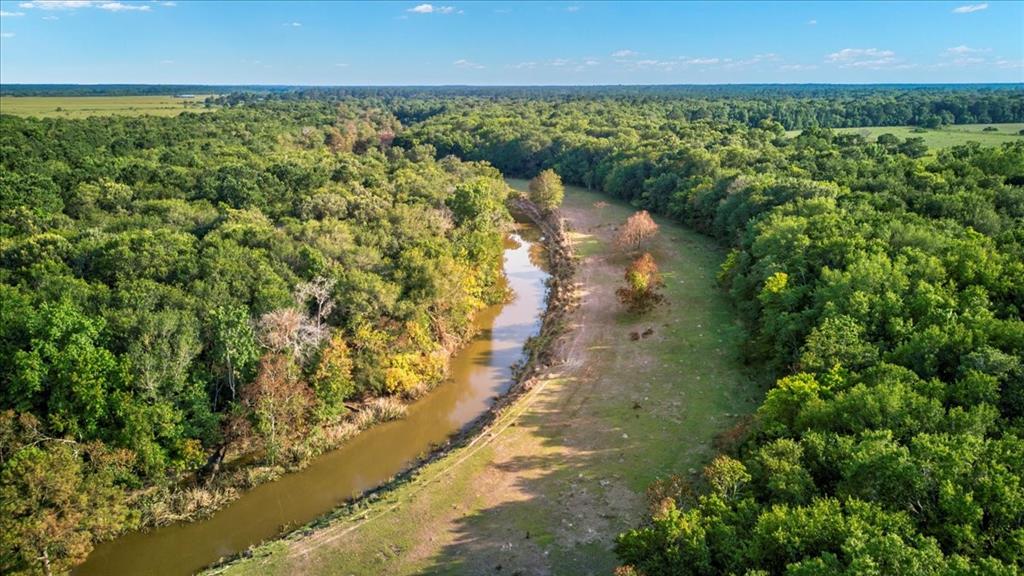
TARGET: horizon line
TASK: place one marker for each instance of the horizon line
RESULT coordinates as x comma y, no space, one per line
453,85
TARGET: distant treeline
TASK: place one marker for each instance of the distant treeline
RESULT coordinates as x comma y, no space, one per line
664,90
794,106
128,89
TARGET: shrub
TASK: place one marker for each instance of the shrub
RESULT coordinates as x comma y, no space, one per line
640,294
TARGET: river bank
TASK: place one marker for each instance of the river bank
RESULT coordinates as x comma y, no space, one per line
563,469
540,351
490,364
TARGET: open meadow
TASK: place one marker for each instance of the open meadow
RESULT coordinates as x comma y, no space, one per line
945,137
85,106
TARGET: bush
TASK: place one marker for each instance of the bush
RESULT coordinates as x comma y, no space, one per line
640,294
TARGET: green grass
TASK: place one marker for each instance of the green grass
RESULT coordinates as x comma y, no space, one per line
85,106
944,137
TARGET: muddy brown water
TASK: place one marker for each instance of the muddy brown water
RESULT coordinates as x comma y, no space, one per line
479,373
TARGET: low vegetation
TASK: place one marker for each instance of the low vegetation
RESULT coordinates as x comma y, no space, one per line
943,136
642,291
86,106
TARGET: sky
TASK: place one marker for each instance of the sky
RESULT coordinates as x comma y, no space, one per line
508,43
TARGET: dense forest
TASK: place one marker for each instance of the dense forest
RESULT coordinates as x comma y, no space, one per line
795,107
174,289
882,286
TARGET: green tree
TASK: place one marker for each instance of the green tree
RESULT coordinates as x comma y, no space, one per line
56,497
65,369
546,190
234,345
332,380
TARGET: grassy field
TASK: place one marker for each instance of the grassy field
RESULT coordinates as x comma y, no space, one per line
563,471
84,106
946,136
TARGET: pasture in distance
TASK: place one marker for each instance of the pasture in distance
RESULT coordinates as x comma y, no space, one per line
944,137
85,106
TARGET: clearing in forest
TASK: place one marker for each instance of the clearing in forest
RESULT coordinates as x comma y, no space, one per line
944,137
563,470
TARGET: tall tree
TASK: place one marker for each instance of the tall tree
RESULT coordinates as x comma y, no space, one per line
235,346
546,190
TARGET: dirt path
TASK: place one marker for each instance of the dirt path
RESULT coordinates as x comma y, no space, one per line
563,472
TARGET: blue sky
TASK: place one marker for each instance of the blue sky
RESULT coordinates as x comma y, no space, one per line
393,43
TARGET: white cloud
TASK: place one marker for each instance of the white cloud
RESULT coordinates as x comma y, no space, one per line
854,54
431,9
559,63
294,24
870,58
625,54
961,49
798,67
959,62
51,18
962,56
57,4
1004,63
755,59
463,63
968,8
6,34
700,61
649,63
812,22
573,8
121,7
76,4
169,4
4,14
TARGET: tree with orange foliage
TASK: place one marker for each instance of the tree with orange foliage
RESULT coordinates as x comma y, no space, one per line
278,402
638,230
640,294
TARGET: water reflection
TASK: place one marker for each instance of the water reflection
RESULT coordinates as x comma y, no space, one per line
479,373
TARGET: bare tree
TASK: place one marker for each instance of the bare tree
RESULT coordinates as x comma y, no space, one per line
320,291
297,330
638,229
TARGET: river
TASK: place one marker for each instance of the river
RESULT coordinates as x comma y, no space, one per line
479,373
